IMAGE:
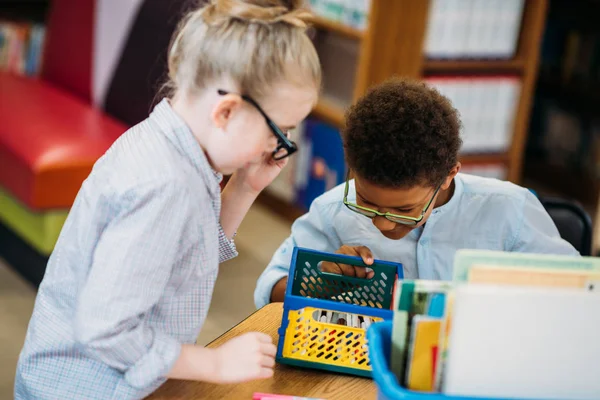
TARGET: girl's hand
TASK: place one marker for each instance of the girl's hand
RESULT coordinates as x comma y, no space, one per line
257,176
244,358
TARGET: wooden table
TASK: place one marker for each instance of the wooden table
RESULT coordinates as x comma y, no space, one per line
287,380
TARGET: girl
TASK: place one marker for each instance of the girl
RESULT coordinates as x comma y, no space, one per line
129,283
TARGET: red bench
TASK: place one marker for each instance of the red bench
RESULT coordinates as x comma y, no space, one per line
49,141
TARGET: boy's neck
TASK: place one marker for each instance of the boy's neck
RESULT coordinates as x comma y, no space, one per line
445,195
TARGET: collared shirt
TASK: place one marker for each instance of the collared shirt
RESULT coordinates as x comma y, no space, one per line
482,214
133,271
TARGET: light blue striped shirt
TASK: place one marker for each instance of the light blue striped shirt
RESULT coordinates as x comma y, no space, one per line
133,271
483,213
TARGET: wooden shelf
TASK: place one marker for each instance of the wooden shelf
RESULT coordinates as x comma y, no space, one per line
474,66
330,112
492,158
337,27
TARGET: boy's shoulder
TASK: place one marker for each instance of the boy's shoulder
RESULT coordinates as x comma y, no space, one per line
492,189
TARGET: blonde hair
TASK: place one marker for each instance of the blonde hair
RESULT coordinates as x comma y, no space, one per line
257,43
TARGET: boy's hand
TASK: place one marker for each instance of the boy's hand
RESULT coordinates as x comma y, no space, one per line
245,358
351,270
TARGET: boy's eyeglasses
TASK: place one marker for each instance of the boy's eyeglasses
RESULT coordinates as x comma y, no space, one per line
399,219
285,146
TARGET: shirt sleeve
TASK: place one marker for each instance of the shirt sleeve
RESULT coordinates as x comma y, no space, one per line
313,230
227,249
536,232
132,263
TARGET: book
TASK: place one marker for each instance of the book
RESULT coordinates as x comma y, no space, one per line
544,277
523,342
326,167
473,28
354,13
422,353
443,343
21,47
413,297
464,260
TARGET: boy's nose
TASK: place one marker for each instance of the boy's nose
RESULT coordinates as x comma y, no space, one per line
383,224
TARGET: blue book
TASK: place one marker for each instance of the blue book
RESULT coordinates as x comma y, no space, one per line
327,167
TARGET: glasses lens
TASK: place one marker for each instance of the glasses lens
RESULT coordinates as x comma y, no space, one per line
400,220
366,213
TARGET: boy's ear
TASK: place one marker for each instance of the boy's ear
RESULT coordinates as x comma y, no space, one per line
224,109
453,172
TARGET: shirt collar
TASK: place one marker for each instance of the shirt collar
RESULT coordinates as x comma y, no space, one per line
455,199
178,132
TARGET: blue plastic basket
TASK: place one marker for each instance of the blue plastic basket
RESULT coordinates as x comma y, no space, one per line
379,338
307,342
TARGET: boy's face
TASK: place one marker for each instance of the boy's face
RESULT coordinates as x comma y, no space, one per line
408,202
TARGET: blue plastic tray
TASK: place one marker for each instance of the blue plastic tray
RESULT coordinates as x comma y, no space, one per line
379,336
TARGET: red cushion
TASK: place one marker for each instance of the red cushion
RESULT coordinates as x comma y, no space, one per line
49,141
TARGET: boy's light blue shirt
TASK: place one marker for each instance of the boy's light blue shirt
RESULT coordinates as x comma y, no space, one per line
483,213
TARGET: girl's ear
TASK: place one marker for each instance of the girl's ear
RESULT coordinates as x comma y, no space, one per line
223,111
453,172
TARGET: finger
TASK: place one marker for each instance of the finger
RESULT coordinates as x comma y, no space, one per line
346,270
268,362
365,253
265,373
282,163
370,273
360,272
345,249
268,349
263,337
330,267
279,153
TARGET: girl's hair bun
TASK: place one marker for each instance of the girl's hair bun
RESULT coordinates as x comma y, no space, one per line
264,12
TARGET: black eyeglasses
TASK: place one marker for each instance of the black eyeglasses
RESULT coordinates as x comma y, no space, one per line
285,146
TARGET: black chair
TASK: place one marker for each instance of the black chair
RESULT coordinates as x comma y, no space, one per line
573,223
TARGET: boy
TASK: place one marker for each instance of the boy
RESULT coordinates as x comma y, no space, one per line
408,202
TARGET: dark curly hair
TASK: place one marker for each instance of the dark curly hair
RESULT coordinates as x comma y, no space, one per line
402,133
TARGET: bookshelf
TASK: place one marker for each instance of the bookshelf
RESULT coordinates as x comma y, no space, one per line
393,44
22,35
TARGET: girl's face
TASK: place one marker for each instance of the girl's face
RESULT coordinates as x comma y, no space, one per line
241,135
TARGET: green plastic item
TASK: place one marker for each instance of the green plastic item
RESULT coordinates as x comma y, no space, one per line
310,281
